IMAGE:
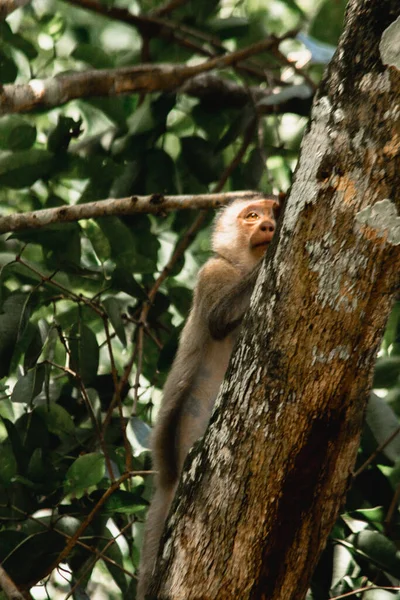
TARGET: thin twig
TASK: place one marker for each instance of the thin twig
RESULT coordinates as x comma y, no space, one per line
83,526
91,412
118,393
49,280
139,344
171,31
365,589
238,157
392,509
92,563
376,452
91,549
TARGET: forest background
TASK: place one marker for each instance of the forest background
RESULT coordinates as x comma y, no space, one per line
91,311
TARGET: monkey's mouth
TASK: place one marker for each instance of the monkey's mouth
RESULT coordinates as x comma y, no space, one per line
261,244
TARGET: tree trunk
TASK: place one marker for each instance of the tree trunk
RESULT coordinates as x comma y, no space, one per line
260,494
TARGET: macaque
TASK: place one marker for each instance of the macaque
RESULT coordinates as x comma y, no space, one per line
242,233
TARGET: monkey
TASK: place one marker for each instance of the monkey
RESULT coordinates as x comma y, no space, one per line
241,235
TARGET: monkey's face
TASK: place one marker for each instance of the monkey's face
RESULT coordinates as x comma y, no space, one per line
244,229
257,222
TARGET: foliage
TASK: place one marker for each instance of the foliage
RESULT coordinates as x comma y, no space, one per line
83,355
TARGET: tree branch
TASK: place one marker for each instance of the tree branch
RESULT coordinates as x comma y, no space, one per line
8,6
8,586
58,90
156,204
170,31
218,92
147,26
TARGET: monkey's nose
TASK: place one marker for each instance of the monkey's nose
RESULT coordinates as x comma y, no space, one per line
267,227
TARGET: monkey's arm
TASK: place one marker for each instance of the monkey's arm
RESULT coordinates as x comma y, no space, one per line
230,300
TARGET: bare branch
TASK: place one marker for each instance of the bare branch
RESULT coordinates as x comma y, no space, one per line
58,90
155,204
148,26
8,586
168,30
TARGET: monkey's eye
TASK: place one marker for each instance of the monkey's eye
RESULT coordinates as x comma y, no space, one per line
252,216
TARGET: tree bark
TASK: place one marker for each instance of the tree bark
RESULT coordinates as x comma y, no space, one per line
261,492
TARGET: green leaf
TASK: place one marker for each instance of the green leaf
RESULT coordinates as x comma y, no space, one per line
124,281
212,121
59,138
229,27
138,434
200,11
23,168
8,68
113,551
37,470
100,243
10,323
378,594
57,419
29,386
254,169
17,41
181,298
54,25
199,156
374,515
85,471
60,241
159,306
328,22
382,421
34,347
142,120
8,541
8,464
121,241
32,429
160,172
126,182
95,56
387,371
84,352
16,133
168,352
236,128
32,557
379,549
123,502
113,310
392,327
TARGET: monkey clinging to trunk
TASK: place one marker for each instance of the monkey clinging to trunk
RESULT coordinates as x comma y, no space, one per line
242,233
